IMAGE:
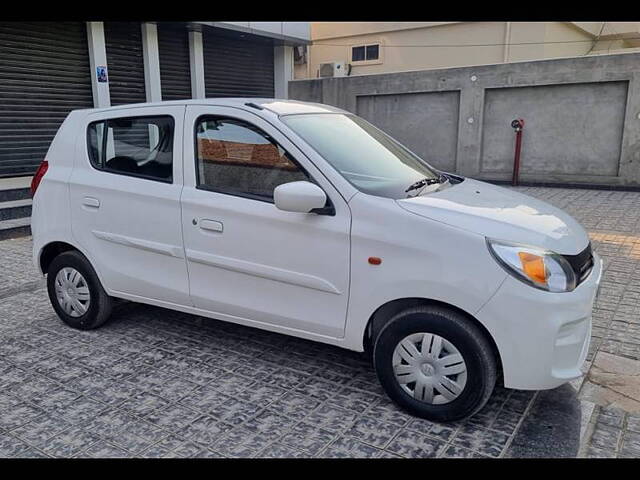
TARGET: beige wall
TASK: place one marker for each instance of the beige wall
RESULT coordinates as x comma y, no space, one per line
565,32
531,33
332,41
324,30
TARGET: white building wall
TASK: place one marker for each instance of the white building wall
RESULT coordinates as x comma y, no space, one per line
282,70
196,60
151,57
98,57
288,31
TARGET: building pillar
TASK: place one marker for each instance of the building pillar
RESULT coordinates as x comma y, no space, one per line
151,59
196,61
98,58
282,70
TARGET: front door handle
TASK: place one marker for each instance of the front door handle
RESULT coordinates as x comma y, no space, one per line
91,202
211,225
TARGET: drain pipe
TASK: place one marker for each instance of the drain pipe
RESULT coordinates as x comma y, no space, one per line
518,126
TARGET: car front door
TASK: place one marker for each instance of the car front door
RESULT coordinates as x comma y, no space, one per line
125,201
247,260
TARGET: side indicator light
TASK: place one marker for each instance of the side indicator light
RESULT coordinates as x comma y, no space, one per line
375,260
533,266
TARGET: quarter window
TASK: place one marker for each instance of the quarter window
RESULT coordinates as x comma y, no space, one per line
135,146
238,158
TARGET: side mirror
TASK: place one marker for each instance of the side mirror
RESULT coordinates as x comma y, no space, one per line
301,197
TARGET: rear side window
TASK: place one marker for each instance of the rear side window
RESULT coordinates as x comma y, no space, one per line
134,146
238,158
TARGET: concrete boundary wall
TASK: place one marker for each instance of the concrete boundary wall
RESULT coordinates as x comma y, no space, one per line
582,116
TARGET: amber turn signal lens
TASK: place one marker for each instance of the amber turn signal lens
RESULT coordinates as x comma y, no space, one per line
533,266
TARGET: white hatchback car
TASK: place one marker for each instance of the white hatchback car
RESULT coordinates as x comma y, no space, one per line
304,219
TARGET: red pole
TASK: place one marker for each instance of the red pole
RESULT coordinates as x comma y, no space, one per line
518,125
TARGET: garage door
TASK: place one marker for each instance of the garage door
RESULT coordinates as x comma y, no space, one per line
237,65
175,71
123,42
44,75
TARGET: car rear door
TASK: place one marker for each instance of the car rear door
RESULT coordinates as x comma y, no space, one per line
125,201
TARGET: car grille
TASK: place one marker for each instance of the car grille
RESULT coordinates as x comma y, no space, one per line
582,263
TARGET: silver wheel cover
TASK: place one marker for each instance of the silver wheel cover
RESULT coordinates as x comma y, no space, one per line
429,368
72,292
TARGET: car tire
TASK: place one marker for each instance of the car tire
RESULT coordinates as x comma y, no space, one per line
76,293
448,374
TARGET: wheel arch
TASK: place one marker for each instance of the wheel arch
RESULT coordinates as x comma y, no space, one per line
50,251
385,312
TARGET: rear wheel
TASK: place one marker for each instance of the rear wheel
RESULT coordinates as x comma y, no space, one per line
75,292
435,363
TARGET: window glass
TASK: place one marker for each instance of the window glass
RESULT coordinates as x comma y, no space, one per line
96,144
365,156
238,158
372,52
357,54
138,146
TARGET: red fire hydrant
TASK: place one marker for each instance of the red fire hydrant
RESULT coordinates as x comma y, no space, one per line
518,126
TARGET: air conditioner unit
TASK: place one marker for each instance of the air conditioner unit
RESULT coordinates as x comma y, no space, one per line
333,69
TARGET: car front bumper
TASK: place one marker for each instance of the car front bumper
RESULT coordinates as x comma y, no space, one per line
543,338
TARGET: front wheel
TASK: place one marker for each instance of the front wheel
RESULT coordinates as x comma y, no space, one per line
76,293
435,363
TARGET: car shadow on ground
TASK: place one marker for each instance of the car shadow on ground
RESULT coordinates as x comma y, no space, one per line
552,426
514,423
218,333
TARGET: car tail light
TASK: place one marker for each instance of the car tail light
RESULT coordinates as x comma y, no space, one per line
42,169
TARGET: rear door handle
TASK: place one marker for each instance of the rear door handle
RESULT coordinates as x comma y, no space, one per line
211,225
91,202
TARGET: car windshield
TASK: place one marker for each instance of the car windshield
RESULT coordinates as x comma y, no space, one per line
368,158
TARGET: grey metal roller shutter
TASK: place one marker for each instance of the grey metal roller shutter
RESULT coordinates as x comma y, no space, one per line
123,42
237,65
44,74
175,71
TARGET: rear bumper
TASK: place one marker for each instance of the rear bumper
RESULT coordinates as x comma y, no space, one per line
542,337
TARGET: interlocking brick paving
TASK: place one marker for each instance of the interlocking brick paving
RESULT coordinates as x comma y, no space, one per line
17,272
159,383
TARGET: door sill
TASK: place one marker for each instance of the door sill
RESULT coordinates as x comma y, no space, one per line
337,341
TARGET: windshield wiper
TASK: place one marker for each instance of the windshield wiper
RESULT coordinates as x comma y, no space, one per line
426,181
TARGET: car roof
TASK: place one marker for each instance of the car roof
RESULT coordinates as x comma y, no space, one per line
275,105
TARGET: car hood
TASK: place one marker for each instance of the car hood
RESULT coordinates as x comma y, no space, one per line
502,214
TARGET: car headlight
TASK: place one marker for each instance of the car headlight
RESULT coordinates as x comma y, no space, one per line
537,267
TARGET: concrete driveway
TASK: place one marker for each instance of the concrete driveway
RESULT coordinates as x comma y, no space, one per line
157,383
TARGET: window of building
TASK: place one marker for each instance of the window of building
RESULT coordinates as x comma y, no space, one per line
238,158
357,54
363,53
135,146
372,52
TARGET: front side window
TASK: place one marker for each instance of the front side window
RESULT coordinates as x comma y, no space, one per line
238,158
135,146
365,156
